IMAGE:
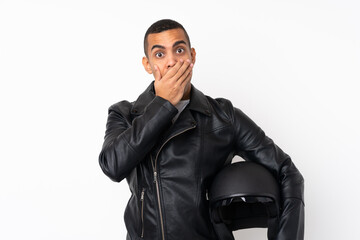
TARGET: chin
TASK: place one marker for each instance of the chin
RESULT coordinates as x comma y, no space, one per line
187,91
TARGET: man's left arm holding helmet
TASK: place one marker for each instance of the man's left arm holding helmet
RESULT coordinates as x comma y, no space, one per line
252,144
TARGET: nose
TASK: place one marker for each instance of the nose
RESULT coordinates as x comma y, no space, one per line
172,60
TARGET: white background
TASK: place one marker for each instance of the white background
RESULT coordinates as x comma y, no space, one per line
292,66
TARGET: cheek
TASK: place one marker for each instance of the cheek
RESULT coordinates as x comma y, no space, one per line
158,64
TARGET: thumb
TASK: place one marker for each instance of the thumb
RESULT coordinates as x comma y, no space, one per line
157,73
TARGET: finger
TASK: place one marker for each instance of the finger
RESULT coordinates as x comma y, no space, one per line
174,69
183,70
186,80
186,75
157,73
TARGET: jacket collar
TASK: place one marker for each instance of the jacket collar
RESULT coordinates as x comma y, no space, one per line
198,101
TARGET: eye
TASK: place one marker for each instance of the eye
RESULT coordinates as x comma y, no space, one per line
159,54
180,50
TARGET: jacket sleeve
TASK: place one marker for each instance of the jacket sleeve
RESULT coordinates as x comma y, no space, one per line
128,141
252,144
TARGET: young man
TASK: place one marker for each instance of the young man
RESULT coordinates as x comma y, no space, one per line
173,139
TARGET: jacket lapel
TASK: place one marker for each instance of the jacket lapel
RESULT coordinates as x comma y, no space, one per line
186,121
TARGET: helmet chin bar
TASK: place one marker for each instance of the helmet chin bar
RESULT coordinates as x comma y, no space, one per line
244,195
239,214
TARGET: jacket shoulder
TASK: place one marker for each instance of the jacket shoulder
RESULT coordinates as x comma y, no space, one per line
222,106
121,107
223,102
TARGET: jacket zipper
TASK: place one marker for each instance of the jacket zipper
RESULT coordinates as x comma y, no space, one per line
156,179
142,212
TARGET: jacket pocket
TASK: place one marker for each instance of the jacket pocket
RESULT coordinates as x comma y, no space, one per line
142,203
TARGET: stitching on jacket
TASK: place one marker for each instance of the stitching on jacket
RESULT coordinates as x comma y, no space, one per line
131,147
217,129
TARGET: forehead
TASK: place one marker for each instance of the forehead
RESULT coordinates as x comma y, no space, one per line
166,38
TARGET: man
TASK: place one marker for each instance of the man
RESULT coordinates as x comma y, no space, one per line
173,139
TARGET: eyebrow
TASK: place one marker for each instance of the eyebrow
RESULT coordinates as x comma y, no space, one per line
179,42
157,46
174,45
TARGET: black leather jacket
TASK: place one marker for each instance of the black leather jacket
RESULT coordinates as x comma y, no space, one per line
169,167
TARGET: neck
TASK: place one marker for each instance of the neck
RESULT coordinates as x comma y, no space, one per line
186,95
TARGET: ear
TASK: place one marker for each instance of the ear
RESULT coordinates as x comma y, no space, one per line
146,64
193,55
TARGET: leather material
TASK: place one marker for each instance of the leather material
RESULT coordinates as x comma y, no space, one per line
140,140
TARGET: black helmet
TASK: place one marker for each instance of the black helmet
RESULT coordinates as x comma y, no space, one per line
245,195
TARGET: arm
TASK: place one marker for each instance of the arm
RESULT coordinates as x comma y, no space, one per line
127,143
252,144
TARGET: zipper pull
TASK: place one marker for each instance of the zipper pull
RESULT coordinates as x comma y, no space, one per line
155,176
142,194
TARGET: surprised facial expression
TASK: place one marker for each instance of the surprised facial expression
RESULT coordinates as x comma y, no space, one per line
165,49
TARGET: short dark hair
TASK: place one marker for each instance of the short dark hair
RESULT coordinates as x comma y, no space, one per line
160,26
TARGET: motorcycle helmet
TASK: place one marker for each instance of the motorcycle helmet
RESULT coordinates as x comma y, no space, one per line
245,195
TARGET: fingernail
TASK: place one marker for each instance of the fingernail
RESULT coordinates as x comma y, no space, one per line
188,60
